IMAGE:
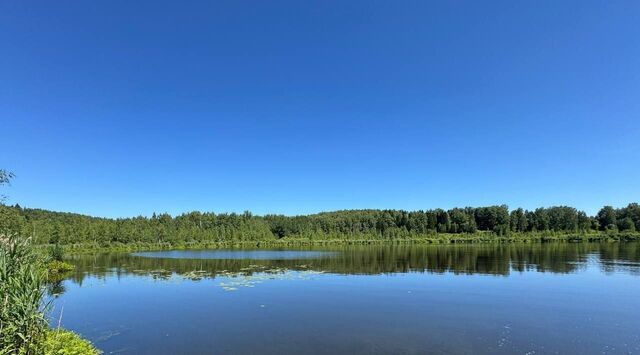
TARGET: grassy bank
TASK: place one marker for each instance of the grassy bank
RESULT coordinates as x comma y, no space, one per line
442,238
23,305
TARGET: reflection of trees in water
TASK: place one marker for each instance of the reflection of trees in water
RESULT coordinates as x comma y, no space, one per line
55,287
625,258
490,259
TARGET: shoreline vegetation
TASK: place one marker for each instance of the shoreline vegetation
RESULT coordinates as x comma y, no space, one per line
492,224
24,275
441,239
77,232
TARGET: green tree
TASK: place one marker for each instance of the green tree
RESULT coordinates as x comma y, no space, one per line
632,211
627,225
606,217
518,220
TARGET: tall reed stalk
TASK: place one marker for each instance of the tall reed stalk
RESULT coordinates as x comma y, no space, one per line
22,285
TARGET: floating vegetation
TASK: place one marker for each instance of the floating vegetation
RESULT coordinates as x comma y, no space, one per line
160,274
106,335
196,275
248,281
246,277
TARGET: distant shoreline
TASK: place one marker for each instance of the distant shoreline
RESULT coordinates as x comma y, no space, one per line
442,239
490,224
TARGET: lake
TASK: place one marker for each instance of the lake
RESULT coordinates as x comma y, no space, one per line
552,298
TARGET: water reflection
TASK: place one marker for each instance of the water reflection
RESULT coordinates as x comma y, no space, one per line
487,259
237,254
554,298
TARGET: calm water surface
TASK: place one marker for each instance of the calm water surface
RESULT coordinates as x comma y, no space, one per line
482,299
237,254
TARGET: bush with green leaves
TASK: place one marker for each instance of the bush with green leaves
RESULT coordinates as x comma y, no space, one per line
59,267
56,253
64,342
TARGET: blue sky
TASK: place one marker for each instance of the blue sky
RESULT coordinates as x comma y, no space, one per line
120,108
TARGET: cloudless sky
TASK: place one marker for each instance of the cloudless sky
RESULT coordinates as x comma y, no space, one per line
122,108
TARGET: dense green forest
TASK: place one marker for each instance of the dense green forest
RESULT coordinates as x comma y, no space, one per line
47,227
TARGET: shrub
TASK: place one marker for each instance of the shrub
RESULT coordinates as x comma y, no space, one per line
56,253
59,267
64,342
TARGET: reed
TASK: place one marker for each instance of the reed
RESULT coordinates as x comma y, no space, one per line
23,324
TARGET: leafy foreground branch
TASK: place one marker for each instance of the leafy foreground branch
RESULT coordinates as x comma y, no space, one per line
23,324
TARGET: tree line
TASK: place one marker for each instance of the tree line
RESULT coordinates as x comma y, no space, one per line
48,227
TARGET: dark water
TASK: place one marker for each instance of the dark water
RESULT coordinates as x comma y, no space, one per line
482,299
